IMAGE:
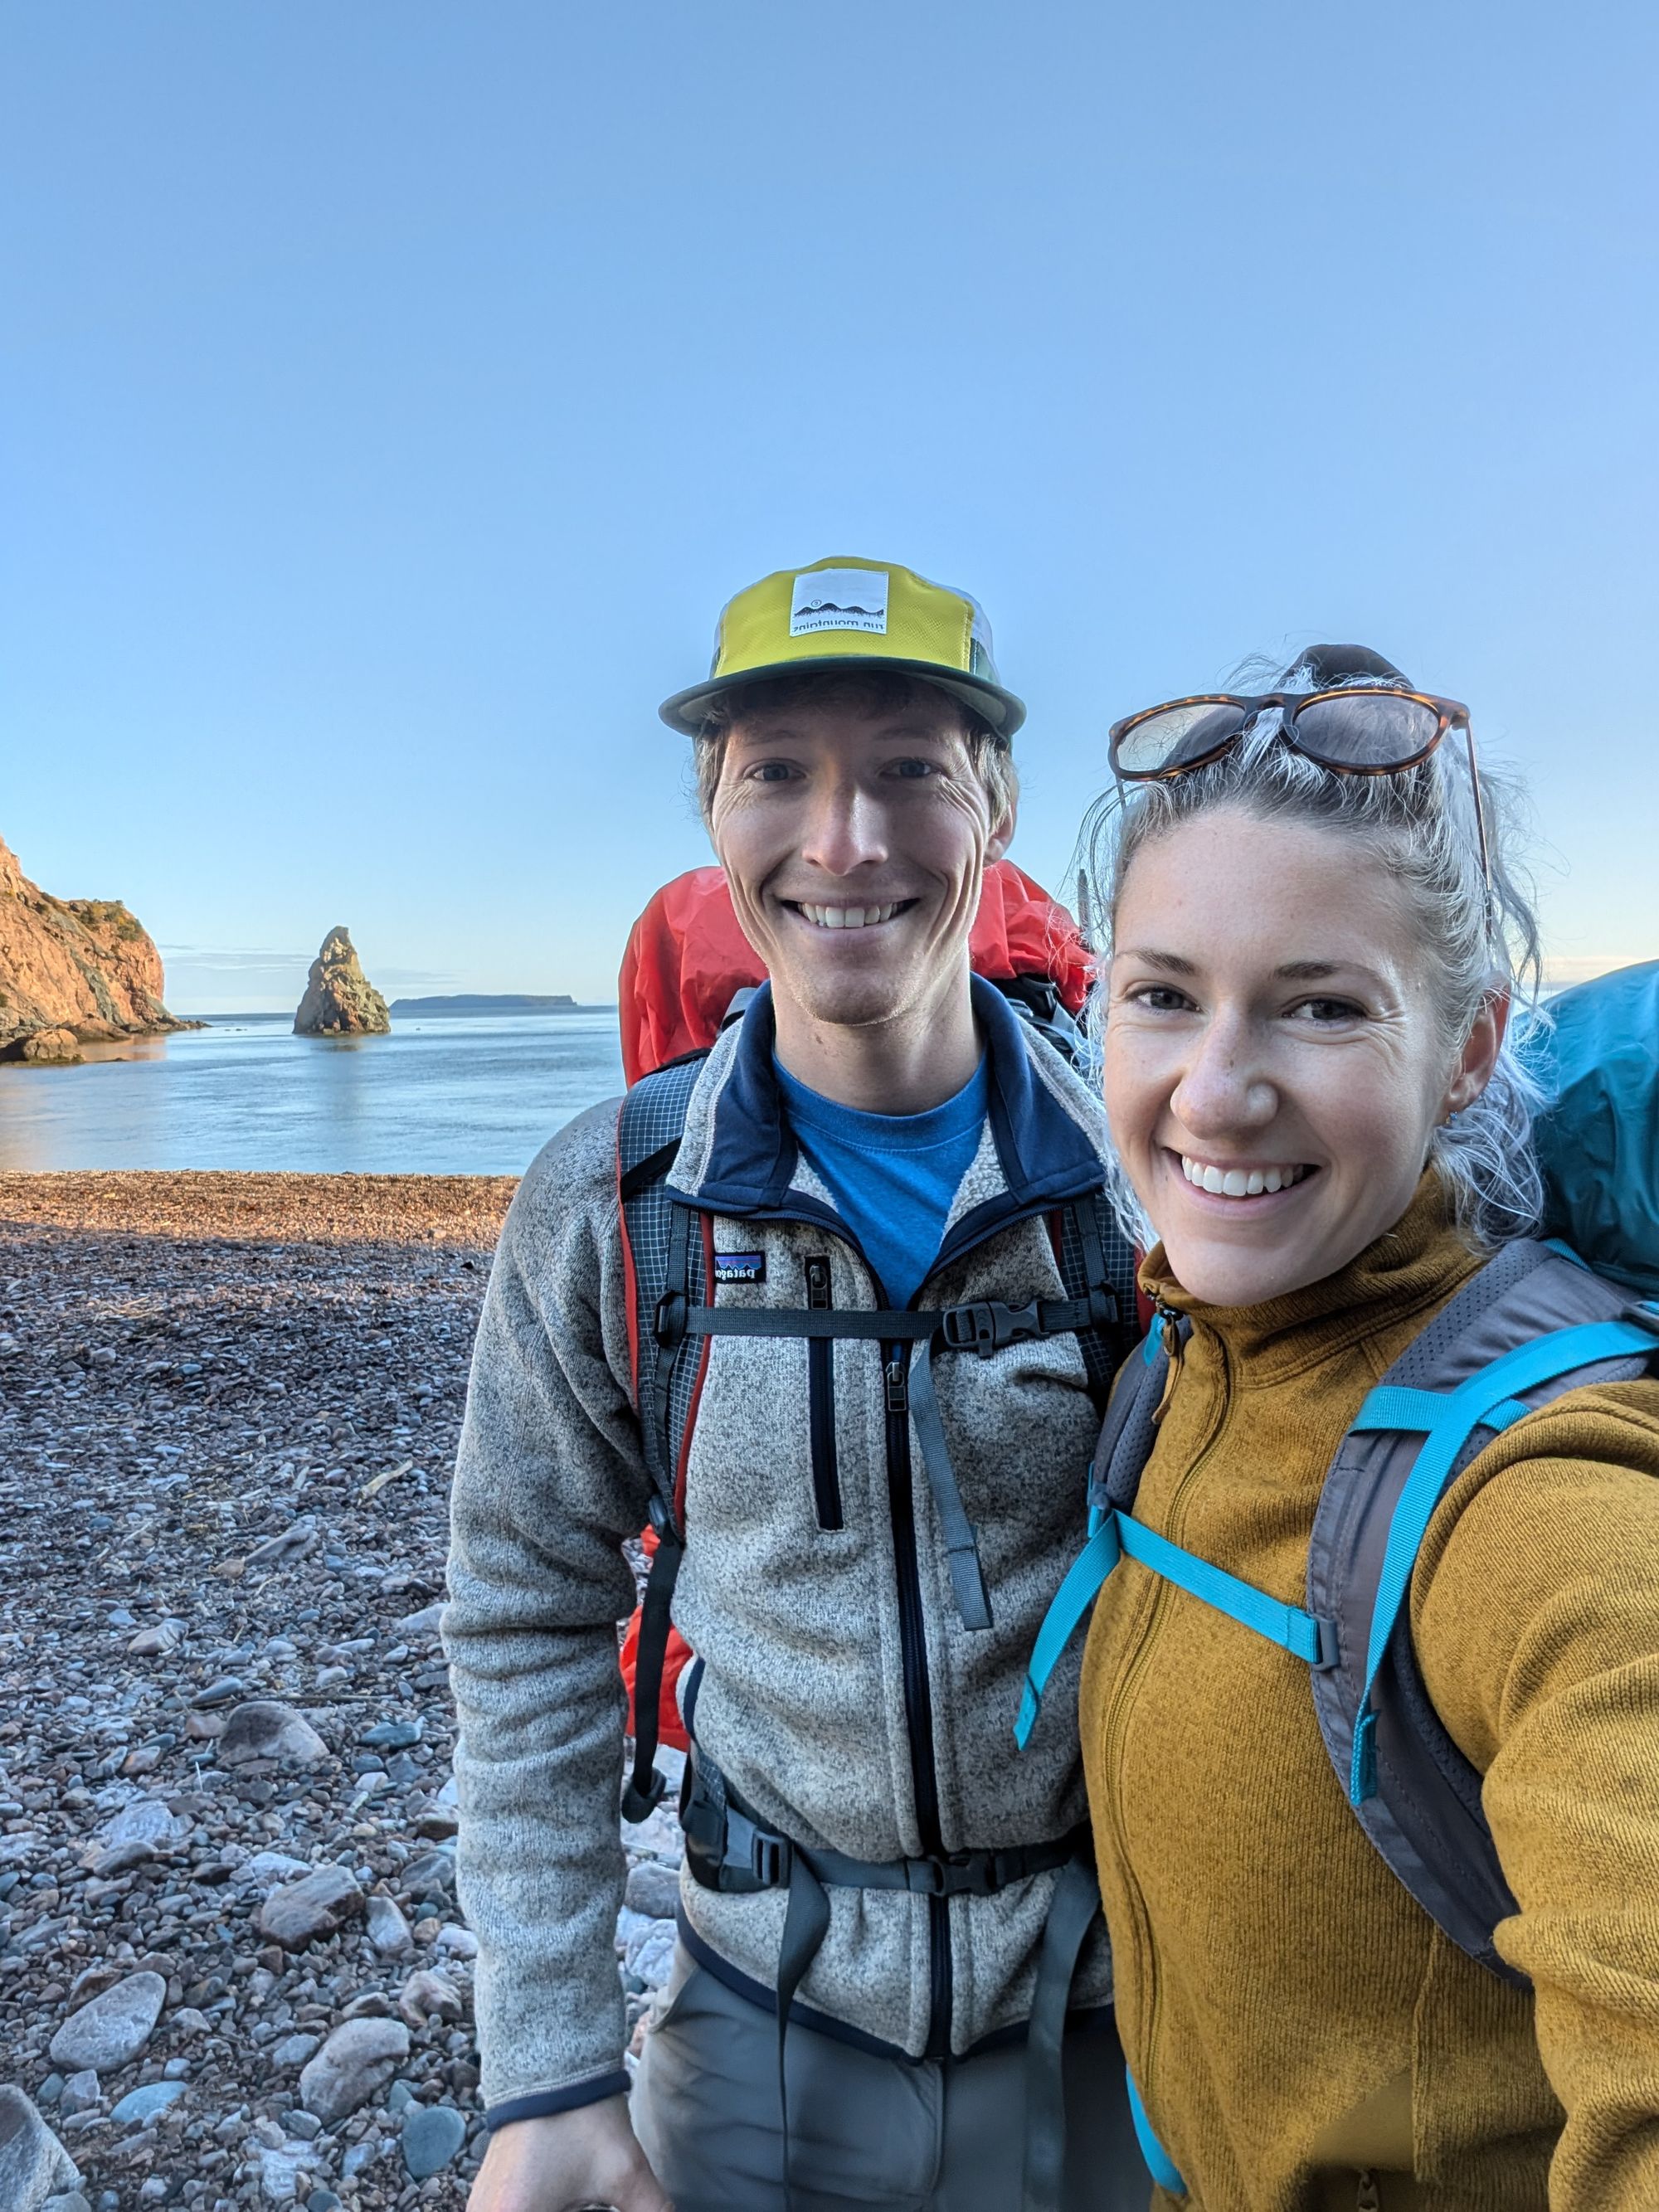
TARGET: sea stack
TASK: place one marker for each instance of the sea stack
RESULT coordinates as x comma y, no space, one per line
339,1000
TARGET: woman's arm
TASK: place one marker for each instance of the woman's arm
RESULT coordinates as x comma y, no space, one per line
1535,1616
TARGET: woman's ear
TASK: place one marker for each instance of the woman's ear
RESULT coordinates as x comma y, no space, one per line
1479,1054
1002,836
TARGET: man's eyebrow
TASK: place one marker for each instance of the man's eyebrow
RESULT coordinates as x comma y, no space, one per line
1170,963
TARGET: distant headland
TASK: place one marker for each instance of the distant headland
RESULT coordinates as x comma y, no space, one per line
500,1002
73,972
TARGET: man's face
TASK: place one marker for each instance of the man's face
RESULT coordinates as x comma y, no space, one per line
855,845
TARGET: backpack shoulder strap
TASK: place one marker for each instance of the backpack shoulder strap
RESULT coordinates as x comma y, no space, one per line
1126,1437
664,1266
660,1256
1533,1324
1097,1266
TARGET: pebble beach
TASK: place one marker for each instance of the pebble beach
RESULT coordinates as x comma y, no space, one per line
232,1969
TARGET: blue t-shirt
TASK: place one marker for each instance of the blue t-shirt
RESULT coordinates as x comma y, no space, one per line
892,1177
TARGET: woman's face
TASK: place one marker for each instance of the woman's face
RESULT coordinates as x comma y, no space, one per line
1274,1069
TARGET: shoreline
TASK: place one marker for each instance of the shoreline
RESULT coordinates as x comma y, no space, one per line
240,1205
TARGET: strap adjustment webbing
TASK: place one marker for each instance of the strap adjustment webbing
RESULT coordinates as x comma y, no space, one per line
1305,1636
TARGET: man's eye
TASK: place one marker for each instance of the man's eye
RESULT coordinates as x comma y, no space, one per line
913,770
771,772
1160,998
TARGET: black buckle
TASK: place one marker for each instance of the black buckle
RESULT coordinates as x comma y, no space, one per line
669,1321
1644,1312
988,1326
958,1873
771,1859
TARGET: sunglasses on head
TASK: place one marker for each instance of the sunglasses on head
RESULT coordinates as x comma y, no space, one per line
1359,729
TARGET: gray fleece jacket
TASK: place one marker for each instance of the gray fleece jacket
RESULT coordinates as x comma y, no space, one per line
839,1691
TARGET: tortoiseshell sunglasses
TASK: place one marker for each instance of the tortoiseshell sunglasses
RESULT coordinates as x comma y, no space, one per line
1359,729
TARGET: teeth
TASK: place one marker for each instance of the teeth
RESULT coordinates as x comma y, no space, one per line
1239,1182
849,917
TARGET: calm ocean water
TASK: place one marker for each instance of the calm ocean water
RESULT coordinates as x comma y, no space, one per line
440,1095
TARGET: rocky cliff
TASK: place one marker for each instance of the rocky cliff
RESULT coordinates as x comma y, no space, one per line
339,998
72,972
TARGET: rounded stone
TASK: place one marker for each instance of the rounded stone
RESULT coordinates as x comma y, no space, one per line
34,2164
432,2134
144,2104
304,1911
265,1728
111,2030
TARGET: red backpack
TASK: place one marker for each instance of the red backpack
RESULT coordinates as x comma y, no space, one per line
688,969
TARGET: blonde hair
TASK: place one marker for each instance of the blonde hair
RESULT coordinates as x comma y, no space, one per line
1420,824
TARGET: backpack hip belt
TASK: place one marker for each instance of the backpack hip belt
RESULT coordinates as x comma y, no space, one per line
729,1847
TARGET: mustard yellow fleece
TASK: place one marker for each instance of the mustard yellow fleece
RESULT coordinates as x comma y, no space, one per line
1302,2033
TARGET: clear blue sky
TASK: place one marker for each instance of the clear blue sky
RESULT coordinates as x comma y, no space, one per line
392,394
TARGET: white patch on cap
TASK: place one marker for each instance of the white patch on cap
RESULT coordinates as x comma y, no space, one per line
839,599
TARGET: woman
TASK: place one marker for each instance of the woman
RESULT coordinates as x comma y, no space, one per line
1314,944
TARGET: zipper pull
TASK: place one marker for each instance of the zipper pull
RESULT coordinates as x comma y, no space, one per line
1368,2200
1171,1325
898,1391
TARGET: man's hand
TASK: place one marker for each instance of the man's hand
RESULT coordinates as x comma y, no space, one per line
587,2157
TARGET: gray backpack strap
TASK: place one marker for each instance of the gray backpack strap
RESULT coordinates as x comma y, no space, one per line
664,1263
1422,1810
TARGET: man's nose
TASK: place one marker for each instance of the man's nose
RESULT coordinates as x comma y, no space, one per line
846,829
1226,1086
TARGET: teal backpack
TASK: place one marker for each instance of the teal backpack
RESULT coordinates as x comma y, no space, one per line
1541,1318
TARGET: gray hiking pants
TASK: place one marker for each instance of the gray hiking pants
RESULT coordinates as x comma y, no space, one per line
867,2134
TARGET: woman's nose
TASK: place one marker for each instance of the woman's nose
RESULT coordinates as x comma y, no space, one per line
1224,1087
845,830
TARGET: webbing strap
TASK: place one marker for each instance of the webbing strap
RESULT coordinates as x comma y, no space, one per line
1303,1635
961,1537
805,1924
1071,1911
1159,2164
1446,1419
1071,1601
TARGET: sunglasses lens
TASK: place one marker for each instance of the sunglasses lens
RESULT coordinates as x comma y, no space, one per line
1370,730
1176,737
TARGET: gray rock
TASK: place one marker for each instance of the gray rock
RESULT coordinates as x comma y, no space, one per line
432,2134
70,2201
459,1942
145,1821
393,1735
155,1642
293,2049
356,2062
431,1874
113,2029
654,1889
282,2169
34,2164
423,1623
388,1931
267,1870
80,2093
144,2104
295,1543
264,1729
302,1912
428,1996
218,1694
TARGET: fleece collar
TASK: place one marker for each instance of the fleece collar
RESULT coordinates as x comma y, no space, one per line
739,1155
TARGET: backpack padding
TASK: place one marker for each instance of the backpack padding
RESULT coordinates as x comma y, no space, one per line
1425,1817
649,1125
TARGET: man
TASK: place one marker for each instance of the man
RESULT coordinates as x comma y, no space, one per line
882,1159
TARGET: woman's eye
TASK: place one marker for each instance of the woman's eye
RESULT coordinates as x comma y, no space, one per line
913,771
771,772
1160,998
1329,1011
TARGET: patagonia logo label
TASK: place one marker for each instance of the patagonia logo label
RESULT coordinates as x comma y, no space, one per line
740,1266
839,599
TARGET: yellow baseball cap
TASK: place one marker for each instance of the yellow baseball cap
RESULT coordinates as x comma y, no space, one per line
845,613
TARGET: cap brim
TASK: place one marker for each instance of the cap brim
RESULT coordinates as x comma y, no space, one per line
687,711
